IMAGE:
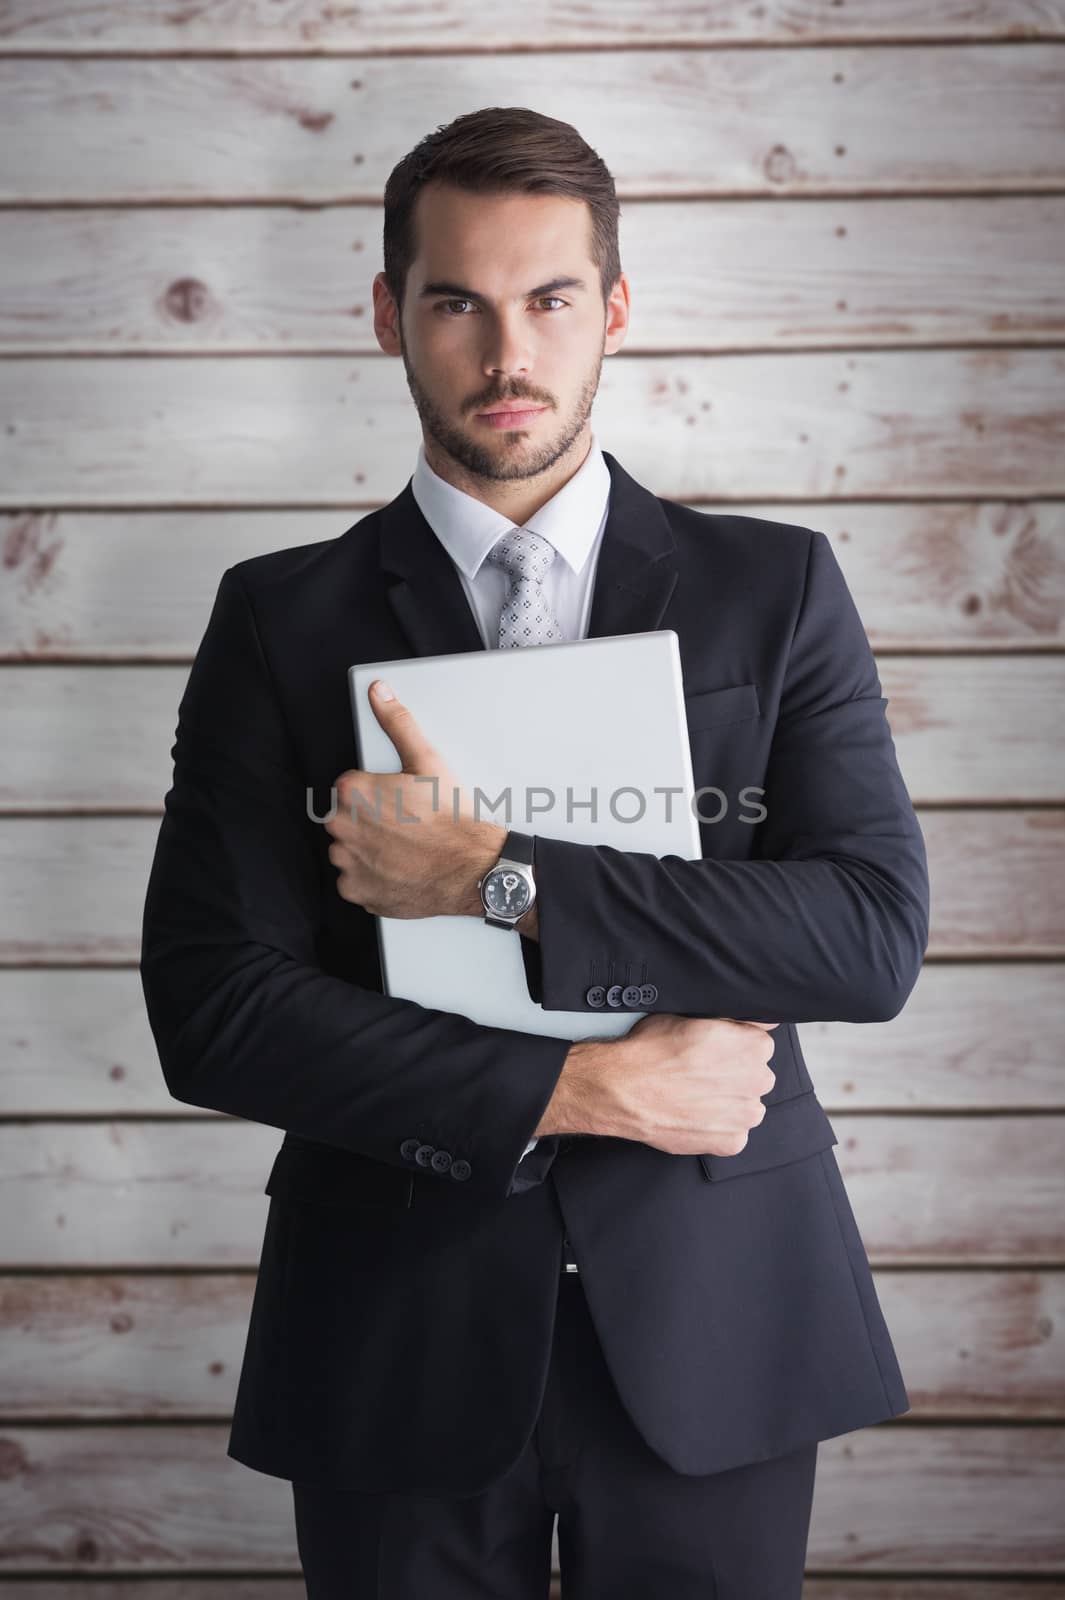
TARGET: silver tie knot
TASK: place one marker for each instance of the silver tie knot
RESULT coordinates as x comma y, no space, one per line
526,617
523,554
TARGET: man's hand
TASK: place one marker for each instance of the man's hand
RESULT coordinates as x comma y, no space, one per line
686,1085
408,844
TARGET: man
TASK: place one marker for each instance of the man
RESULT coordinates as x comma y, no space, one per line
504,1276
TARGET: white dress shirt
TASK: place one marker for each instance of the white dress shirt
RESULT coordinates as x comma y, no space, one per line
572,520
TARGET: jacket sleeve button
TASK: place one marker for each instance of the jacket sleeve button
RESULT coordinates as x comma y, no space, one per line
441,1160
596,995
408,1147
460,1169
424,1154
631,995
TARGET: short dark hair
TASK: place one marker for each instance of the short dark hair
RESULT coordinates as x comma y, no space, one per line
502,149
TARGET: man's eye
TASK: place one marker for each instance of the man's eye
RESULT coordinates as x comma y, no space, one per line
445,305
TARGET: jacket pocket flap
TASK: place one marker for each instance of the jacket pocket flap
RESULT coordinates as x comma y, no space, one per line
327,1175
790,1129
710,706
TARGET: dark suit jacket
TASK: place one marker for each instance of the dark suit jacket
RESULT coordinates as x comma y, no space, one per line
403,1310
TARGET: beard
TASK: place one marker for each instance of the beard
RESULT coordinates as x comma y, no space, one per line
500,459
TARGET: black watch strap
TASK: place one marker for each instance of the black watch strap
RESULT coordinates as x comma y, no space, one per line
518,847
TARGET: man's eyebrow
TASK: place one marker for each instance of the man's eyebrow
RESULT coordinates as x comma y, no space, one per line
457,290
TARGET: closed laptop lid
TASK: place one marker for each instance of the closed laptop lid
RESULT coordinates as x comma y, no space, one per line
583,740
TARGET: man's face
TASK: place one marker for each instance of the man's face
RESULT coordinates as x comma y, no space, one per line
486,321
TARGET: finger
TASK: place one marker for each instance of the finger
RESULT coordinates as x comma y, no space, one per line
338,825
415,752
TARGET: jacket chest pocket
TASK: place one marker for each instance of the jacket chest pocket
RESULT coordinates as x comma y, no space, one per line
712,708
728,764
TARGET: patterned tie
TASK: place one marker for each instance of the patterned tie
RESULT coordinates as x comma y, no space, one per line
526,617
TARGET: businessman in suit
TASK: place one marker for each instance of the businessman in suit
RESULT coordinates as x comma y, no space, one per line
504,1276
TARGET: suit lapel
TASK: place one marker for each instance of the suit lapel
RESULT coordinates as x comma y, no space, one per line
635,575
425,593
637,570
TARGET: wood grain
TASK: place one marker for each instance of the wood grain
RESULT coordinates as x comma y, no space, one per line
138,585
926,1190
997,881
307,431
116,1499
990,1497
977,1344
304,26
973,1344
748,121
273,1586
722,275
74,886
134,1194
93,738
973,1036
862,1587
939,1190
849,317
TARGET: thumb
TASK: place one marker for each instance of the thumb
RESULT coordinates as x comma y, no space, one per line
413,748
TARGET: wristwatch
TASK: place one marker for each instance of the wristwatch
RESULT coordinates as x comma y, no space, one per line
508,889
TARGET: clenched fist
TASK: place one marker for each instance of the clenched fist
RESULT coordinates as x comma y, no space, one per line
687,1085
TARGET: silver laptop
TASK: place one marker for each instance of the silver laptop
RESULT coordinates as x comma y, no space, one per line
581,740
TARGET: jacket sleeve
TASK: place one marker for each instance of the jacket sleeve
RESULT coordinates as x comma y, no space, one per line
244,1018
827,922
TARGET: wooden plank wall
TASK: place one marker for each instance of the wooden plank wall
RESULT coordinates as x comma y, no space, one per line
843,224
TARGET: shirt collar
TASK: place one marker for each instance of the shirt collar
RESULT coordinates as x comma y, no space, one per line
467,528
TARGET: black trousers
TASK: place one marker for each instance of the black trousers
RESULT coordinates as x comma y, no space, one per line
629,1527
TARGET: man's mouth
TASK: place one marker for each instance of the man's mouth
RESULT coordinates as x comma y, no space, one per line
511,418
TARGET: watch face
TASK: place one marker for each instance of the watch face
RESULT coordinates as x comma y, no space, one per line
506,893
